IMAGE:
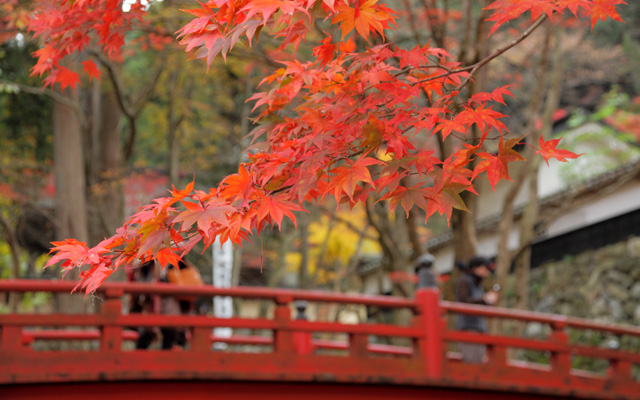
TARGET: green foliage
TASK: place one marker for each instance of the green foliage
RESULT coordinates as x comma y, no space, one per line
604,148
30,302
25,120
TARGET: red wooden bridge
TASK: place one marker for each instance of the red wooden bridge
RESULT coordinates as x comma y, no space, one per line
291,362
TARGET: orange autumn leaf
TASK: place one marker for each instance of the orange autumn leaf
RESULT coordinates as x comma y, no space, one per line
364,16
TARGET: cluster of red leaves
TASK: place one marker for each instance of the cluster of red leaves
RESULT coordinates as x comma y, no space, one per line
626,121
346,125
219,24
69,27
508,10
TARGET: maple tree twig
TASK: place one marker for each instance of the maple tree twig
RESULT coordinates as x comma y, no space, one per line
59,97
362,232
121,95
502,50
474,67
39,90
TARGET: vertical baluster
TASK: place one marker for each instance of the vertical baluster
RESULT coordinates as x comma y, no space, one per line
302,340
619,372
200,340
283,338
561,359
497,356
358,346
11,338
431,347
111,338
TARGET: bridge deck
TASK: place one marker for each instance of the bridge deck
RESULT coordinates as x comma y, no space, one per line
291,360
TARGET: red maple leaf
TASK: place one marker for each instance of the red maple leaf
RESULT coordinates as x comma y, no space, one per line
66,77
364,16
237,186
167,256
91,279
548,150
347,177
408,197
496,95
603,9
446,199
214,210
497,166
91,69
71,250
276,207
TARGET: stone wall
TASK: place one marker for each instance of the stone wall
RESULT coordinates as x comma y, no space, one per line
602,284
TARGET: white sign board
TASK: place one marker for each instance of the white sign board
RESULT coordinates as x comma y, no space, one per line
222,269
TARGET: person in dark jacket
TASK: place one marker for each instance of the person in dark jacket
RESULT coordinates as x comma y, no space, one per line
469,289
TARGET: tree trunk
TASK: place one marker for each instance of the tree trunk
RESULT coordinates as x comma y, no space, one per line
463,223
69,170
505,258
532,211
106,189
71,204
173,134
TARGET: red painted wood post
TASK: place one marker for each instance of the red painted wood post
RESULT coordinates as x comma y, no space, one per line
619,372
111,338
497,356
358,345
302,340
11,339
200,340
431,345
283,338
560,360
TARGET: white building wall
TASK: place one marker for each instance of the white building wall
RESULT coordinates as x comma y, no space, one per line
621,201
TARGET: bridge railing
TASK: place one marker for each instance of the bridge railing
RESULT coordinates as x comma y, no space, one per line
556,344
293,351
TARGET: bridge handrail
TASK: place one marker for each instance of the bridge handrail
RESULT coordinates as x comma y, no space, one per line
553,320
426,361
246,292
54,286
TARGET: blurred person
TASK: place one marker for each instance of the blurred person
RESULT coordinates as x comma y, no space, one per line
469,289
183,274
425,271
143,303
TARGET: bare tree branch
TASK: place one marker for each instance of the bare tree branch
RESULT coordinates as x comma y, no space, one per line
56,96
118,86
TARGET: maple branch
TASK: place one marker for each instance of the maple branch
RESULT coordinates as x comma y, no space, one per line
349,224
474,67
118,87
131,108
59,97
502,50
38,91
408,69
437,29
149,88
